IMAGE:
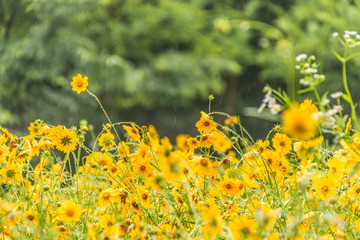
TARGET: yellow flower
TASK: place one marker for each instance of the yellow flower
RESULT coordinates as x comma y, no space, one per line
193,143
212,218
222,144
243,227
144,196
231,187
299,123
106,140
64,139
79,83
262,145
281,143
202,166
325,187
106,221
70,211
181,142
108,197
207,140
205,125
132,132
232,120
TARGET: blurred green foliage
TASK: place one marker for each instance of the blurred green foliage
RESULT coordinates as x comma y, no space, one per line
156,61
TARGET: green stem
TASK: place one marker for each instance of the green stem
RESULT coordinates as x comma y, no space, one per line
102,108
112,125
353,112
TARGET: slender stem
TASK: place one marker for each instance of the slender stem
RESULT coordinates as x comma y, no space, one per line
346,87
112,125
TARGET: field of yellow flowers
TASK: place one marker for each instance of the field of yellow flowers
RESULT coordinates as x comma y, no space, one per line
220,184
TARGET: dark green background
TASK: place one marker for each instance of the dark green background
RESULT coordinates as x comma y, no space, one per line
157,61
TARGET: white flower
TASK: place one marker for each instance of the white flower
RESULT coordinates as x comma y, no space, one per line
350,32
301,57
275,108
271,102
261,108
330,112
311,70
330,121
335,34
317,116
357,36
337,108
325,101
304,82
336,94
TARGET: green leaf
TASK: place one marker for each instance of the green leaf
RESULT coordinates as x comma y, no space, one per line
352,55
341,59
357,166
347,98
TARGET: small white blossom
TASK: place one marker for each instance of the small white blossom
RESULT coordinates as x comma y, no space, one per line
275,108
336,94
330,112
325,101
330,121
311,70
272,102
337,108
304,82
317,116
357,36
351,32
335,34
301,57
346,36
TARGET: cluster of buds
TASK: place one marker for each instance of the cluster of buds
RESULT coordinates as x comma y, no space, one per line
309,68
269,102
351,38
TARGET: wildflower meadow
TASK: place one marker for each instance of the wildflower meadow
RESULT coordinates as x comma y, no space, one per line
127,182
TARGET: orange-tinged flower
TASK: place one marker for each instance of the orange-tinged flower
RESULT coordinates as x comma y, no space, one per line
106,221
70,211
202,166
205,125
144,196
232,120
193,143
207,140
132,132
262,145
62,232
79,83
231,187
281,143
181,142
